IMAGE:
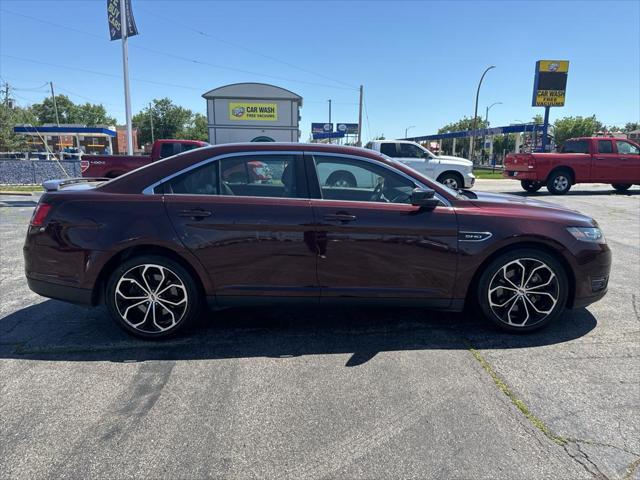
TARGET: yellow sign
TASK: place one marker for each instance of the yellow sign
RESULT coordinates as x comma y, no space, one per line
550,98
560,66
265,112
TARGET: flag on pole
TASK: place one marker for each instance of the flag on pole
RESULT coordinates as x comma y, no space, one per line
114,16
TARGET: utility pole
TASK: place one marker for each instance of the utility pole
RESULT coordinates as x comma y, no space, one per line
359,143
55,105
475,113
151,120
330,140
6,94
125,68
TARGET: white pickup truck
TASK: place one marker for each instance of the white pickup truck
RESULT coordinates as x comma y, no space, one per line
453,172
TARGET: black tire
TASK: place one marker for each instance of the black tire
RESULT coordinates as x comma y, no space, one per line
170,318
341,178
530,185
559,182
552,306
452,180
621,187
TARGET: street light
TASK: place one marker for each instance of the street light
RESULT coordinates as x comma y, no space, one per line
486,115
475,112
407,129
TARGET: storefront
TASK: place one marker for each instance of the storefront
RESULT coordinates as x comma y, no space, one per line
252,112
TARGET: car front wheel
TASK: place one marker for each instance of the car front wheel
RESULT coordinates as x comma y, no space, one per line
451,180
152,296
523,290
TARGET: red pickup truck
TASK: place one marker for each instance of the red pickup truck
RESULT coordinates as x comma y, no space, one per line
111,166
581,160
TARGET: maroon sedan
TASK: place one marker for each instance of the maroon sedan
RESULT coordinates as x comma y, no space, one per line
159,243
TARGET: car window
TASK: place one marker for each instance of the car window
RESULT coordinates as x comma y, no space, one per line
358,180
389,149
627,148
407,150
605,146
199,181
258,176
575,146
166,150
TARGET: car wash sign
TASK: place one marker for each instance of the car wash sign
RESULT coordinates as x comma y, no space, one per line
550,83
263,112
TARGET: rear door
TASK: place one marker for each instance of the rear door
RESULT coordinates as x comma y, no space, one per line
248,219
372,243
629,155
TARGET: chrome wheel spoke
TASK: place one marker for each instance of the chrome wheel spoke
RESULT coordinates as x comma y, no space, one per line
151,298
532,300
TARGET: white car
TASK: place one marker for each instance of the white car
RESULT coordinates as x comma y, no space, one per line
454,172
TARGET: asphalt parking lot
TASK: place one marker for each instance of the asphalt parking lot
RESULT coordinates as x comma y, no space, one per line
349,393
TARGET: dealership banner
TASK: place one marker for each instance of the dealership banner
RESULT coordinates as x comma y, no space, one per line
321,127
265,112
550,83
348,128
114,17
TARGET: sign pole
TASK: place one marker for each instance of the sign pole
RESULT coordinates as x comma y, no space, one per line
359,143
125,68
545,128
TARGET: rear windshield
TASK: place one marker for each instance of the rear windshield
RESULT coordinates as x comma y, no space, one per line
576,146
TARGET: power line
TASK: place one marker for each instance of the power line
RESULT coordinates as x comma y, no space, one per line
179,57
173,22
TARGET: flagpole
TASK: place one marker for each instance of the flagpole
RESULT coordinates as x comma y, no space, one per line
125,68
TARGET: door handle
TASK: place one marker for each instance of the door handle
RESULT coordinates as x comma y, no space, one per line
195,213
340,217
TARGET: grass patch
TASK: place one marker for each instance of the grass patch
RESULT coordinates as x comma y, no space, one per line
488,174
520,405
21,188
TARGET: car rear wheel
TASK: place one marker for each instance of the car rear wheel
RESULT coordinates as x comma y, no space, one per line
451,180
559,182
152,296
621,187
530,186
523,290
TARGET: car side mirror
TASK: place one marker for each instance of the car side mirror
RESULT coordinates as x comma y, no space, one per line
424,197
426,155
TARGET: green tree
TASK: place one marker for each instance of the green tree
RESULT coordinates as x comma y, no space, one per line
10,116
89,114
197,128
571,127
169,120
631,126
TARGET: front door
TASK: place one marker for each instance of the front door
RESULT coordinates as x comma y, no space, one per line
247,220
372,243
629,162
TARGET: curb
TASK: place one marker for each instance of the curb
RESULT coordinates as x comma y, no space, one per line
22,194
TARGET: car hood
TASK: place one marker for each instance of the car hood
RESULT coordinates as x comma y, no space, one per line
531,207
455,160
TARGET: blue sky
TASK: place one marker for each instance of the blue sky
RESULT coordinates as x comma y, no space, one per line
418,61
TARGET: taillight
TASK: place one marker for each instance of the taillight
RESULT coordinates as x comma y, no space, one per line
532,162
39,214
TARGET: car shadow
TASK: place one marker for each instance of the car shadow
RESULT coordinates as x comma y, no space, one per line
56,331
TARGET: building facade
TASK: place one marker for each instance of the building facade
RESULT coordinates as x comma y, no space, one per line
252,112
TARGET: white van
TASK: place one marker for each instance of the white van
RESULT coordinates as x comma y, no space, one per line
454,172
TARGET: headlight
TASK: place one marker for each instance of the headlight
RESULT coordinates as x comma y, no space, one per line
587,234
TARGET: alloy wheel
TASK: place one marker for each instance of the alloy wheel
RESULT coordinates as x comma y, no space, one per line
151,298
451,183
561,183
523,292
